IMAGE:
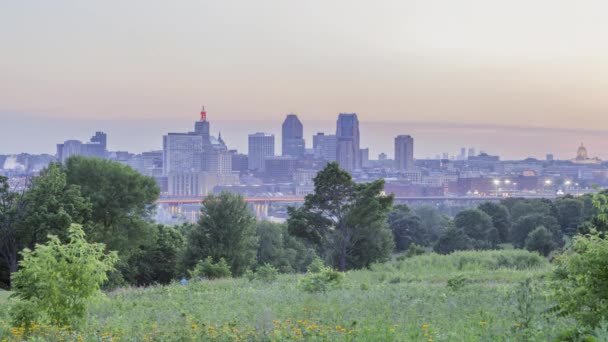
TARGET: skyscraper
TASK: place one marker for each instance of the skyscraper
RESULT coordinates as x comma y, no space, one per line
261,146
404,153
292,138
181,153
347,149
324,146
201,127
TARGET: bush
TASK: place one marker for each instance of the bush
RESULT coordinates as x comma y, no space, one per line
457,283
414,250
210,270
581,281
56,282
322,281
266,273
540,240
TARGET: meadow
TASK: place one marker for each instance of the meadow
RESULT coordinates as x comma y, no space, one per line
464,296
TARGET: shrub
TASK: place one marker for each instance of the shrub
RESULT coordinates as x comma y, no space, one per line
540,240
266,273
56,281
322,281
457,283
414,250
210,270
316,265
580,287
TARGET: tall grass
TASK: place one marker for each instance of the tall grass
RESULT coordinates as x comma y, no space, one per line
407,300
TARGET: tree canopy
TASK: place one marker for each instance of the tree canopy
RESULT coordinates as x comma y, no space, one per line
346,221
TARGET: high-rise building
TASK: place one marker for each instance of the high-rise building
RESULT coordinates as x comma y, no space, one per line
364,152
261,146
97,148
404,153
201,127
347,147
181,153
324,146
292,138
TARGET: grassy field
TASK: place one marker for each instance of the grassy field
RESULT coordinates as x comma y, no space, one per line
466,296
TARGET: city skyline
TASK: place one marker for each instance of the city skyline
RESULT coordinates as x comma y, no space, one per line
515,142
445,63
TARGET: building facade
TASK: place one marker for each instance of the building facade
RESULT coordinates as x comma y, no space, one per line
292,137
404,153
348,153
260,147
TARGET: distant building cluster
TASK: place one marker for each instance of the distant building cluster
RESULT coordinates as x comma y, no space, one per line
196,163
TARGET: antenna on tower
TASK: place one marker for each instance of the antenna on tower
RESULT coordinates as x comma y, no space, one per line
203,114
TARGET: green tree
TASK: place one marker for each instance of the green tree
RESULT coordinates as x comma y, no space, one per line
478,227
226,229
12,206
346,221
432,222
56,281
52,206
406,228
278,248
524,207
526,224
501,219
453,239
540,240
581,281
122,204
569,214
159,261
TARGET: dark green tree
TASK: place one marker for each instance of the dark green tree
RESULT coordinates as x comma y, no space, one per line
477,225
278,248
12,206
406,228
158,262
432,222
501,219
453,239
540,240
346,221
528,223
569,214
226,229
122,202
525,207
52,206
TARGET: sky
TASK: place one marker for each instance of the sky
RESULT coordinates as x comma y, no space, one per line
516,78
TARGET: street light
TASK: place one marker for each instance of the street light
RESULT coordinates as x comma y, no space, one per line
496,184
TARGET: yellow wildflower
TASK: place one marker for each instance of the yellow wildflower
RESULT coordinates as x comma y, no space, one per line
483,323
425,326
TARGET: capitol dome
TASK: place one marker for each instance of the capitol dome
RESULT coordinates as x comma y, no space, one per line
581,154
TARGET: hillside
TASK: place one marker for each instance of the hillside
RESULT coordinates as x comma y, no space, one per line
459,297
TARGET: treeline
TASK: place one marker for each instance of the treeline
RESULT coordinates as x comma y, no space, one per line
115,205
539,225
346,224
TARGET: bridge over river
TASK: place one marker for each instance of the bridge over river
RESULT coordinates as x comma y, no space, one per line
189,207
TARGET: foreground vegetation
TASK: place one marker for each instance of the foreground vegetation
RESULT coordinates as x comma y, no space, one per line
465,296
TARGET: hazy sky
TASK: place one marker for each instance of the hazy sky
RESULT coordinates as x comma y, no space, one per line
531,63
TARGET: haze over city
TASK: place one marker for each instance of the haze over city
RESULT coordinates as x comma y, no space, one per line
516,79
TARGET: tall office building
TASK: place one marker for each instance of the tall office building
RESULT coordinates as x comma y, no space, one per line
292,138
324,146
404,153
261,146
364,153
97,148
347,148
201,127
182,153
